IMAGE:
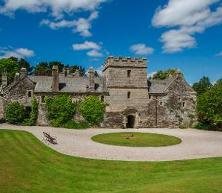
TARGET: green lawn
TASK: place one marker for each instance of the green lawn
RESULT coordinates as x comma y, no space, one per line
28,166
136,139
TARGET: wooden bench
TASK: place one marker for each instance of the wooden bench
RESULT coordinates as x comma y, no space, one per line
49,138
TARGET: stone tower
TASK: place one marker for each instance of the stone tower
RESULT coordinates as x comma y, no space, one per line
126,81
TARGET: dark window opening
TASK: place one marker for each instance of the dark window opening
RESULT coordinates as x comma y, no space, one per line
150,96
128,94
161,103
130,121
96,86
183,104
29,93
43,99
102,98
128,73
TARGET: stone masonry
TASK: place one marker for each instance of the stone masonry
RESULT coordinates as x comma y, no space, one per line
132,100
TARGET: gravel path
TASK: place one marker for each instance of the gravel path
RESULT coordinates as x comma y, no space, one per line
195,144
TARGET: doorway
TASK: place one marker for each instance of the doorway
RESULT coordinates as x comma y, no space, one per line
130,121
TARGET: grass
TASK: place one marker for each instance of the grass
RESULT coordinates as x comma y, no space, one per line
136,139
28,166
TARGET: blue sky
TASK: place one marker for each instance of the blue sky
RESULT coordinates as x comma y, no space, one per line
169,33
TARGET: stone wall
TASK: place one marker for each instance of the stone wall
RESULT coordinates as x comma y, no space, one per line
19,91
2,104
42,115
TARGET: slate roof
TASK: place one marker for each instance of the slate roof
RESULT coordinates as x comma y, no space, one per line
160,86
66,84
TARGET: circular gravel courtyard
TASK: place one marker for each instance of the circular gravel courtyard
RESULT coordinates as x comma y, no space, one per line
195,144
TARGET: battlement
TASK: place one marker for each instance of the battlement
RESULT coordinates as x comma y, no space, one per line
122,62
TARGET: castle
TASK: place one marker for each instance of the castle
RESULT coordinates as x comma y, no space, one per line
132,100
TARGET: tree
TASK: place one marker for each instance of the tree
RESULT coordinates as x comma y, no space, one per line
92,109
14,113
13,65
59,64
45,68
202,86
209,107
73,68
219,81
161,75
10,66
42,69
60,109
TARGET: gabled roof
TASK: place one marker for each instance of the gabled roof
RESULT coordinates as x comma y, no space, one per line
160,86
66,84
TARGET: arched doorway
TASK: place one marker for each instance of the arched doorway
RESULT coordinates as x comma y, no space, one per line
130,121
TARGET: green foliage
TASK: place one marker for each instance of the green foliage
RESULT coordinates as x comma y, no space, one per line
161,75
71,124
42,69
11,66
27,167
60,110
209,106
202,86
31,120
73,68
92,109
14,113
45,68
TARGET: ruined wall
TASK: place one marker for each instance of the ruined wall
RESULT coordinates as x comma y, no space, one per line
2,104
19,91
174,109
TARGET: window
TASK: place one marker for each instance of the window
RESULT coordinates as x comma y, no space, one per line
102,98
128,73
128,94
43,99
183,104
29,93
150,97
161,103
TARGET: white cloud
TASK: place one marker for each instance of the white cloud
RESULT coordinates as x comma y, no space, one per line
219,54
80,25
59,10
87,45
18,53
56,7
94,53
141,49
150,75
186,18
93,49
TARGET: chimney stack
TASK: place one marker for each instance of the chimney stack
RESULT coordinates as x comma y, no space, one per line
91,79
23,72
55,78
76,73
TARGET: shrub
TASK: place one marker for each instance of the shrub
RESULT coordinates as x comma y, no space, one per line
92,109
14,113
33,115
71,124
209,107
60,110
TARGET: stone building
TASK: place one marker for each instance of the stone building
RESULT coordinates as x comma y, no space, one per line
132,100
